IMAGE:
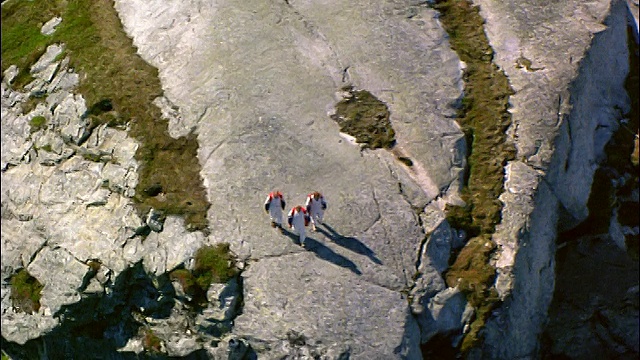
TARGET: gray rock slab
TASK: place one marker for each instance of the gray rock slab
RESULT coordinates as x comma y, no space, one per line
563,111
48,58
50,26
298,293
61,285
258,80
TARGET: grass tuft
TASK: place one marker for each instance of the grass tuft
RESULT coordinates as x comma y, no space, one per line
37,123
213,264
25,292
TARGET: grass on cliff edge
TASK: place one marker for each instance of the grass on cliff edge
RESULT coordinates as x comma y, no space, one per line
25,292
213,264
484,119
112,72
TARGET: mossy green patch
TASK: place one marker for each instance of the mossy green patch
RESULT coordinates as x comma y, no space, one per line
213,264
473,275
22,41
37,123
120,88
484,119
25,292
405,160
46,147
151,342
366,118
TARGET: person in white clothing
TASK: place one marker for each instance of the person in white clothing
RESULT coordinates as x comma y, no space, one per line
298,219
274,206
316,205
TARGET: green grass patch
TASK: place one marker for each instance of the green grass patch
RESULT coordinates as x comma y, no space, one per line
37,123
22,41
120,88
151,342
213,264
484,119
46,147
474,277
25,292
366,118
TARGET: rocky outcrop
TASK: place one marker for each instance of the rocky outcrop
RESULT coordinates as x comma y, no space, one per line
257,83
568,86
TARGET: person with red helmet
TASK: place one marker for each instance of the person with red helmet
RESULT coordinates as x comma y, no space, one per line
274,206
316,205
299,218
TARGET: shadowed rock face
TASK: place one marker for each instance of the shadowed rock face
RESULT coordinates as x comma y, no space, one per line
564,111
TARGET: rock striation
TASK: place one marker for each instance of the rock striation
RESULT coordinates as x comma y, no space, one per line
257,82
567,65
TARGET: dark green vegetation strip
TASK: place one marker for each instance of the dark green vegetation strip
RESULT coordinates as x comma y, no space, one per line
25,292
366,118
119,88
484,119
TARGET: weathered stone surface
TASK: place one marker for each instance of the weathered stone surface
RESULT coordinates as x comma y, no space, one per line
304,298
50,26
257,81
46,60
430,295
56,214
562,115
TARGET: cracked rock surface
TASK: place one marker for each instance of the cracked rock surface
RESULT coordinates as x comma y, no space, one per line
569,98
257,82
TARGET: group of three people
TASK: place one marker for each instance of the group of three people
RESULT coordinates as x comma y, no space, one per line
299,216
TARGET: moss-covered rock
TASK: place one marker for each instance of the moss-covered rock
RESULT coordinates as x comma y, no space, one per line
363,116
37,123
214,264
25,292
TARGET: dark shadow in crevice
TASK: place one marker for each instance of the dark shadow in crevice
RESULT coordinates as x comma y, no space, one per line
101,323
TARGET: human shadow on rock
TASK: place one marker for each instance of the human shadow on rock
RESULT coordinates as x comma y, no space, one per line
349,243
323,252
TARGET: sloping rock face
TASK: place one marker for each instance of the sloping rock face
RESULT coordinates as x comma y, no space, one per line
567,64
259,81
